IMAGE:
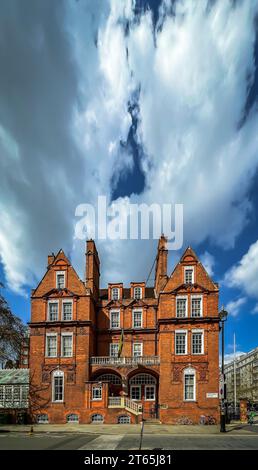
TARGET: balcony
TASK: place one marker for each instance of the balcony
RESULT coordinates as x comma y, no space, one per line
124,361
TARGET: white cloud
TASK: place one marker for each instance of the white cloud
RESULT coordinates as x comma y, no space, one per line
63,129
255,309
244,275
230,357
208,262
234,306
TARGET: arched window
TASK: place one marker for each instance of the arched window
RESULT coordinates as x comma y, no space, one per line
72,418
189,384
97,418
42,419
111,378
142,379
124,419
115,293
58,386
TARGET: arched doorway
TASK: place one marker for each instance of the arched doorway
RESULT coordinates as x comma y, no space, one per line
114,380
143,388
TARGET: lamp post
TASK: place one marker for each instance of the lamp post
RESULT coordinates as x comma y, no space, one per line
223,317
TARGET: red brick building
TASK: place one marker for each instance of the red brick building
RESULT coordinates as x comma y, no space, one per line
168,368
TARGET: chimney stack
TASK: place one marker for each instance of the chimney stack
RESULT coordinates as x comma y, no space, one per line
92,268
161,265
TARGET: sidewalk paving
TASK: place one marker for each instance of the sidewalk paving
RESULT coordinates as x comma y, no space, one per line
234,428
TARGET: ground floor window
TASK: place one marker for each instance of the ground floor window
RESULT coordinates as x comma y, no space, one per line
97,418
136,392
189,384
72,418
149,392
97,392
42,419
124,419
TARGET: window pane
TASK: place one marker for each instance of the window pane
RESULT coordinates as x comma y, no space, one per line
197,343
188,276
137,319
53,311
149,392
97,418
189,387
180,343
196,307
137,292
114,349
58,388
115,319
137,349
67,310
96,393
115,293
181,308
51,346
135,393
67,346
60,281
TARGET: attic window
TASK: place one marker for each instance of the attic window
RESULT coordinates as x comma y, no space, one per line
115,293
60,280
138,293
189,275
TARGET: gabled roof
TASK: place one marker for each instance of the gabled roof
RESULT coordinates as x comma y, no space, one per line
14,376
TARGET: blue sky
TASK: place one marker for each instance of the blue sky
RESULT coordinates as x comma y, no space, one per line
146,101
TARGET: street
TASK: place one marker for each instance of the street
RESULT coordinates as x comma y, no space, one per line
90,441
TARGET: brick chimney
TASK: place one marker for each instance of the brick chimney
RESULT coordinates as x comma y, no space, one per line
161,265
92,268
50,259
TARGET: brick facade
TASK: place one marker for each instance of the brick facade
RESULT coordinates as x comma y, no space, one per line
77,330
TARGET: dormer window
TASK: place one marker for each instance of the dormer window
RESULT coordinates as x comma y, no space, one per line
60,280
115,293
137,293
189,275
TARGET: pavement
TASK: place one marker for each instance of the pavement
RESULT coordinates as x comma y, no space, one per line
113,429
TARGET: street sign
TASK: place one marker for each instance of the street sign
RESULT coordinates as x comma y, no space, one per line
211,395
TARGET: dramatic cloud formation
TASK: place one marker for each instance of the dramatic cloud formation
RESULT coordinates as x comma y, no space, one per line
71,71
244,275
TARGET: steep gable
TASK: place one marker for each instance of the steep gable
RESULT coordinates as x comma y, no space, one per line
57,263
201,277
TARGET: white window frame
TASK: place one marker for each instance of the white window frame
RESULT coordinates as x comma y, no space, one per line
57,373
48,335
140,393
42,421
110,319
141,349
137,310
187,268
182,297
197,296
63,273
190,371
118,293
62,343
94,387
66,301
51,302
154,388
134,294
202,333
185,332
111,345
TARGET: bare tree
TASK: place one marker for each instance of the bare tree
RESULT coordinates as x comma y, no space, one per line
12,333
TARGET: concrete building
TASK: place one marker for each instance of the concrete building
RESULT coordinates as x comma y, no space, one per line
117,354
246,377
